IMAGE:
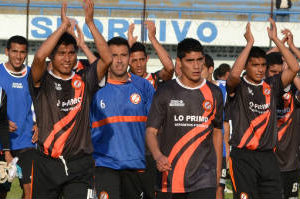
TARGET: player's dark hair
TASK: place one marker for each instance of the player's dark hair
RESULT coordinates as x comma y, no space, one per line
223,69
138,47
209,62
188,45
118,41
65,39
17,39
216,74
256,52
274,58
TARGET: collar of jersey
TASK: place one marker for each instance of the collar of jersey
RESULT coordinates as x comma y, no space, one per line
253,84
55,76
118,82
190,88
12,73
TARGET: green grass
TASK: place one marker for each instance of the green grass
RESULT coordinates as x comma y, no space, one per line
15,191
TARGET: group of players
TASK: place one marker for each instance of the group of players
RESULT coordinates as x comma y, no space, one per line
98,127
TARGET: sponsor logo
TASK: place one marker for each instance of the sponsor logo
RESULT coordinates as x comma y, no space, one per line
250,91
244,196
267,91
259,108
69,104
176,103
135,98
103,195
17,85
76,83
57,86
207,105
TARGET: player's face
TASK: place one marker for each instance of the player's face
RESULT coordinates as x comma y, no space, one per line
274,70
63,61
191,68
16,56
138,63
206,72
118,68
256,69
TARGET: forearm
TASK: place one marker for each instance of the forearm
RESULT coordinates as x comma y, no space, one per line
218,145
295,50
152,143
89,54
164,58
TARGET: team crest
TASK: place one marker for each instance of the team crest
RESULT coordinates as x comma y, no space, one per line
135,98
244,196
207,105
103,195
267,91
76,83
287,96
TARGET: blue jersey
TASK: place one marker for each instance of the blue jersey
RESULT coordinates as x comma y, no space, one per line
118,116
18,107
222,86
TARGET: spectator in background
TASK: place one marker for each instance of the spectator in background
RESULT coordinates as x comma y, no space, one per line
283,5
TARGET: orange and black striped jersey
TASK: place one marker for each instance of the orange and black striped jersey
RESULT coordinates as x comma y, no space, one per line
186,118
154,79
288,123
62,112
253,114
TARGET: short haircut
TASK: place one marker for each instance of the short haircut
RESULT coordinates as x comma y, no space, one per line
216,74
65,39
17,39
138,47
223,69
209,62
256,52
118,41
274,58
188,45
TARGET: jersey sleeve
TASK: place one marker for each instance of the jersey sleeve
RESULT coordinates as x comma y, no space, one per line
157,112
277,85
92,78
218,120
4,134
32,89
149,95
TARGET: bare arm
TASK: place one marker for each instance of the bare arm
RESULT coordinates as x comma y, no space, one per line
39,66
289,74
238,66
131,38
168,67
162,162
218,145
101,45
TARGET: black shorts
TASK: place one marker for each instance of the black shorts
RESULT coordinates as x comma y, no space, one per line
290,183
70,178
118,184
207,193
26,157
223,172
255,174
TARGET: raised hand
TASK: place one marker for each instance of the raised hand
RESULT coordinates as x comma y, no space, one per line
65,21
131,38
288,36
89,11
248,34
150,25
272,31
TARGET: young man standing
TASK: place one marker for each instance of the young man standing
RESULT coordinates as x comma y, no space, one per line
19,107
253,166
118,115
64,163
188,114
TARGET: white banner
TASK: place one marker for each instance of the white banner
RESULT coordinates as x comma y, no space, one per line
169,31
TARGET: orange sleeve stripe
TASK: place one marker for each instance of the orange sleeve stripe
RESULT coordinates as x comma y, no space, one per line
64,121
116,119
179,170
283,130
231,174
164,181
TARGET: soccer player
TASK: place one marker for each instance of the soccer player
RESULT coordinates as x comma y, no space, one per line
139,58
187,112
118,115
208,70
287,147
4,138
253,166
21,125
64,163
